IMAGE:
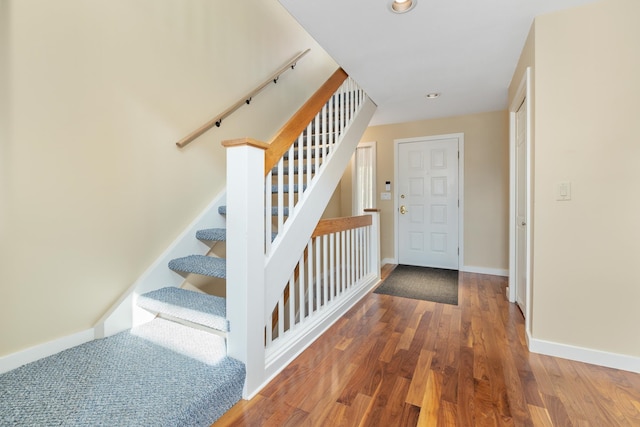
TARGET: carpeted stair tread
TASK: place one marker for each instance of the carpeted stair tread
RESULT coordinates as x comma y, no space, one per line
222,210
296,169
158,374
305,154
218,234
200,264
203,309
285,188
212,234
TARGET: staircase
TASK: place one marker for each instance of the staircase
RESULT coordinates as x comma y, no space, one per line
194,355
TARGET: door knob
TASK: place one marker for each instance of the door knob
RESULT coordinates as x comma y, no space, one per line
403,210
523,223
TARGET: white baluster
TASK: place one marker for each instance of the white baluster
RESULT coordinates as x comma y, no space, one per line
325,148
280,200
325,268
280,316
343,262
292,163
349,265
310,286
331,121
268,333
268,227
292,301
332,265
301,287
290,179
316,142
318,262
308,152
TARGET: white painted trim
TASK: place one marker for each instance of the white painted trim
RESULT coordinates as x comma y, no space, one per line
125,313
245,255
354,189
389,261
40,351
396,143
523,94
586,355
485,270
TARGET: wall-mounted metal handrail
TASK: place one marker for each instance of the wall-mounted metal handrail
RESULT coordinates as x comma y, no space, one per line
245,100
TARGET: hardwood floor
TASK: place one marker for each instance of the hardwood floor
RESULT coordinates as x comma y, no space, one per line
400,362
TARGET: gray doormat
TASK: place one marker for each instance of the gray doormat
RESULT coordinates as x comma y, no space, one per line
429,284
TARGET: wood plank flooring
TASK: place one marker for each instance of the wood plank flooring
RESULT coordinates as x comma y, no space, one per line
399,362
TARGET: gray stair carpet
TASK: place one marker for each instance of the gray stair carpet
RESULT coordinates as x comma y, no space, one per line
158,374
305,153
296,169
200,264
218,234
285,188
195,307
222,210
212,234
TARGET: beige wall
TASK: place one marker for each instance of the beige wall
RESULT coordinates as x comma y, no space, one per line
94,187
585,288
486,180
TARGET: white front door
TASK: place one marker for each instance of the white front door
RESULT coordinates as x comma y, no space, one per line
521,208
427,200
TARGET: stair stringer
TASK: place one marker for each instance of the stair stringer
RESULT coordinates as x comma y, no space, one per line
290,243
125,313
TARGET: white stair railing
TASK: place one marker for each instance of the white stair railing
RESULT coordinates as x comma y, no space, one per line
258,266
339,264
307,156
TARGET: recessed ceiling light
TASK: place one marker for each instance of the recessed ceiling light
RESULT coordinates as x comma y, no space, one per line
432,95
402,6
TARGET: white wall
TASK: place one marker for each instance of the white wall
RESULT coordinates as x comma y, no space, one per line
586,289
94,96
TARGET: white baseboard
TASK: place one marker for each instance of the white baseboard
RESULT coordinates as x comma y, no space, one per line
15,360
388,261
586,355
485,270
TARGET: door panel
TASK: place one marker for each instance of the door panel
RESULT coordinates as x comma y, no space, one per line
428,201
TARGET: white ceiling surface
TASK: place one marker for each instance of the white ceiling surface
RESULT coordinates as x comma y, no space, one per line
465,49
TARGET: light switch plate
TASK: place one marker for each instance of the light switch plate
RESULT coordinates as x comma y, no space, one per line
385,196
563,191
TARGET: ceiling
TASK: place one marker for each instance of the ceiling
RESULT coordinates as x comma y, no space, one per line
467,50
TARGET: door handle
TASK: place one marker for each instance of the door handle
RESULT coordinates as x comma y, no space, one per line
403,210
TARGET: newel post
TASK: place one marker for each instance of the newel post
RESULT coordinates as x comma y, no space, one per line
375,240
245,257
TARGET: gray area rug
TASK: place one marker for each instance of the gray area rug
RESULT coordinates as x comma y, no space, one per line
429,284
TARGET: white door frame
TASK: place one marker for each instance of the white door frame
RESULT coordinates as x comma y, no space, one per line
354,181
396,206
523,94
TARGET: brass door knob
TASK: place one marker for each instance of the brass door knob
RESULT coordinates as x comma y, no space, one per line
403,210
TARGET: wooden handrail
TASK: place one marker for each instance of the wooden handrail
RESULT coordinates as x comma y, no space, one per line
287,135
332,225
217,120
